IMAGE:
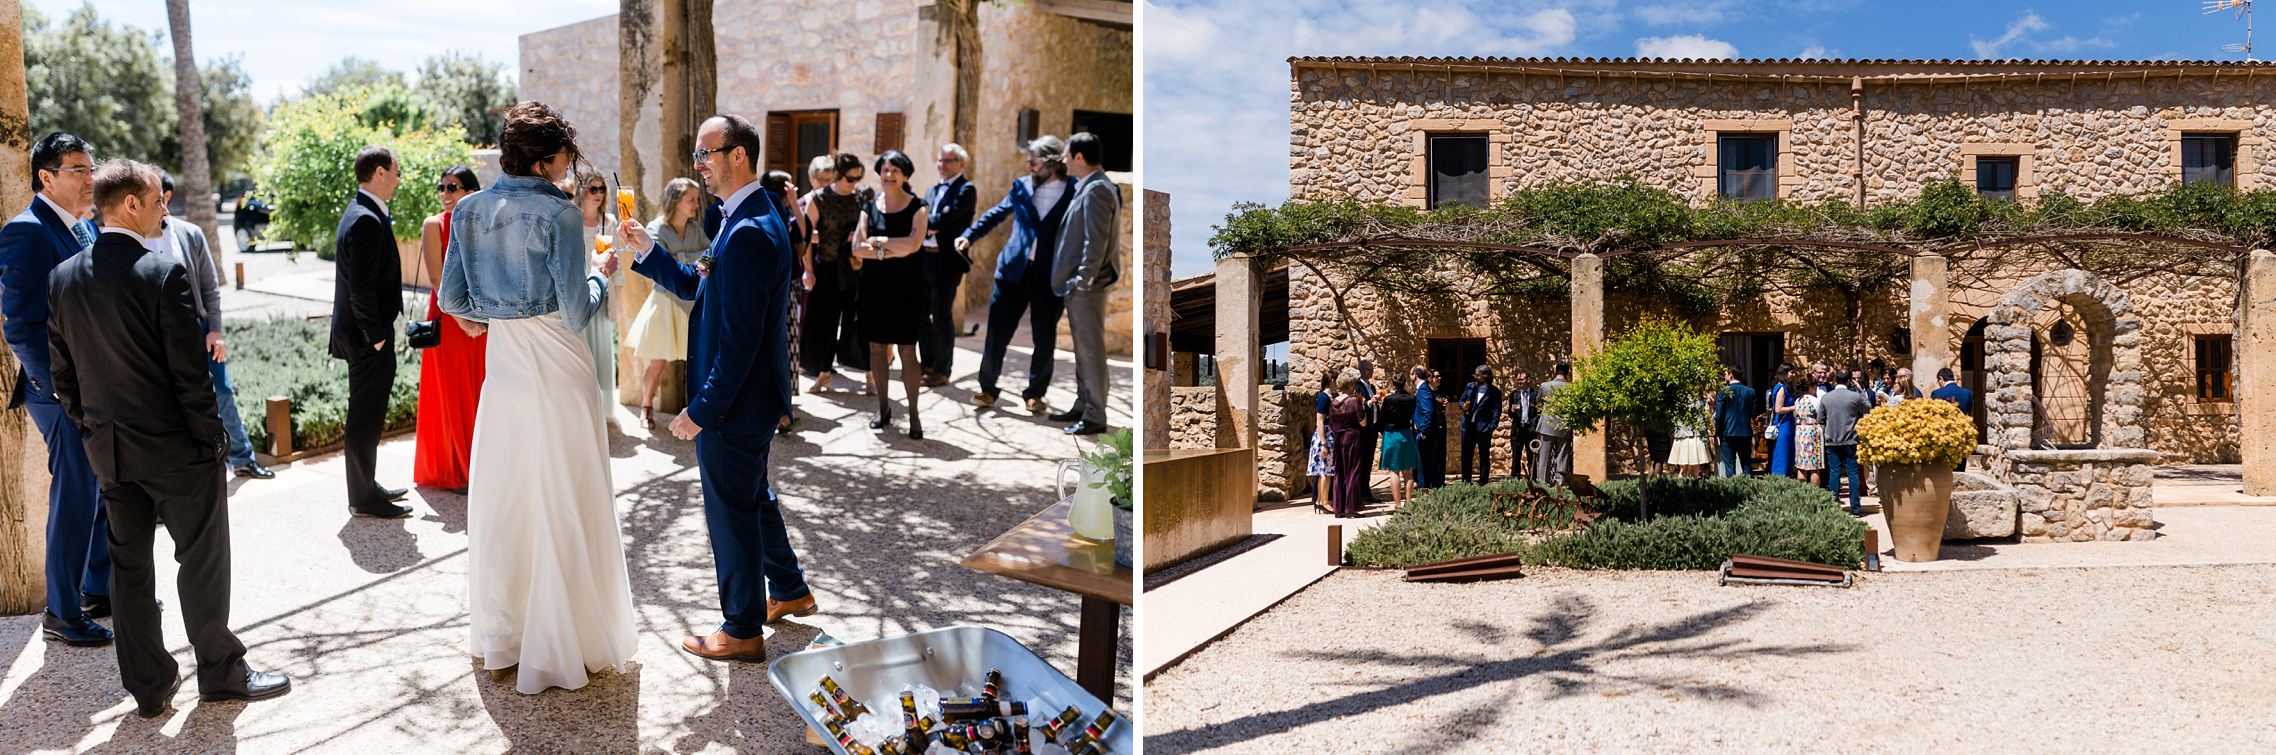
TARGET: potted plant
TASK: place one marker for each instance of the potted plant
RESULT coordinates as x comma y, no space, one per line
1915,445
1112,458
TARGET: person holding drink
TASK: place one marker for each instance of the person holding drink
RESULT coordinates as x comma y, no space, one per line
592,202
894,301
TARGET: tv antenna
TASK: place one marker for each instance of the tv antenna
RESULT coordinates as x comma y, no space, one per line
2243,9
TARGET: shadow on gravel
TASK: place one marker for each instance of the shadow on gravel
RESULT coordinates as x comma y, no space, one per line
1561,648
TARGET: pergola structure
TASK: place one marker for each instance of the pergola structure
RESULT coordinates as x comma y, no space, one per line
1730,252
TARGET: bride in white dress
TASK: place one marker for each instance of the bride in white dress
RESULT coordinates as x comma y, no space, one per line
548,590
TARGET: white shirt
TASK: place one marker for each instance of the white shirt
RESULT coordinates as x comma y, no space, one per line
382,204
68,218
165,245
146,242
1046,195
735,200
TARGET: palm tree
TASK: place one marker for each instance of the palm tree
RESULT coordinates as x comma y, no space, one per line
197,171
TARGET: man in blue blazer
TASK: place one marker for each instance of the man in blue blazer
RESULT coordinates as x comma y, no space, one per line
738,373
1734,424
1951,391
1481,413
31,245
1430,430
1036,204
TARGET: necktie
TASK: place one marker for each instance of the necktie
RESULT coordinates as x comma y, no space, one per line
79,231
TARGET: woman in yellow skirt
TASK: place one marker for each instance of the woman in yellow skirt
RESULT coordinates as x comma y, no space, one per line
659,333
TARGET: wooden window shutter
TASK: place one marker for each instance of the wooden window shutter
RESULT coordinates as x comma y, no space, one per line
780,151
889,131
1030,126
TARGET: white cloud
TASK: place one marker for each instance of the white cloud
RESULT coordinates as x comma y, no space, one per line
1813,52
1685,46
2030,22
1685,14
1216,83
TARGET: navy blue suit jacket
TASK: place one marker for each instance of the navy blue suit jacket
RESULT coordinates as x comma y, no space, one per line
1484,413
1956,394
739,337
1427,417
31,245
1028,229
1734,411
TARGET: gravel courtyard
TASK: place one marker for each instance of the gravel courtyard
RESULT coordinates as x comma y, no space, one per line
2167,659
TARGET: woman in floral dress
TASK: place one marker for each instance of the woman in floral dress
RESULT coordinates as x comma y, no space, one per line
1809,435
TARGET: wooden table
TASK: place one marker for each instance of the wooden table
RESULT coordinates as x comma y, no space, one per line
1044,550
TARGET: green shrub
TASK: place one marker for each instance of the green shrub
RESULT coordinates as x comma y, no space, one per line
305,163
1696,525
292,357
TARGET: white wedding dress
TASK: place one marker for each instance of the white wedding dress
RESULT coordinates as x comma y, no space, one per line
546,562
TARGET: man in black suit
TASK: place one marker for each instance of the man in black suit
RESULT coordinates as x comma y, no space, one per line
1524,418
950,206
122,316
366,298
1481,413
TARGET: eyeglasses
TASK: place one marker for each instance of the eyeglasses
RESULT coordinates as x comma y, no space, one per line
704,154
596,189
89,169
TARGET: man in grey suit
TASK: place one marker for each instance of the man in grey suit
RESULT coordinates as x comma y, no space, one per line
186,244
1556,440
1082,272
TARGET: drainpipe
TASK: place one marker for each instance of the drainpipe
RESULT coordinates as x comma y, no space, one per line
1857,114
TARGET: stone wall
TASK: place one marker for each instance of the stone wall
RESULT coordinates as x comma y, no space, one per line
1155,403
1357,133
2084,495
1284,436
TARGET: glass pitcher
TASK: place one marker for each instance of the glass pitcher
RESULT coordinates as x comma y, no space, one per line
1089,509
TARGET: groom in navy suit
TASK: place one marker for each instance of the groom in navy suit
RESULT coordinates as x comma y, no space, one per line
31,245
739,374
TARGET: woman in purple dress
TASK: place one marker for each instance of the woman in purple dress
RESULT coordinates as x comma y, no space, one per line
1347,421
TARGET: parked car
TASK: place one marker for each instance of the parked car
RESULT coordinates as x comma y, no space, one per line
252,219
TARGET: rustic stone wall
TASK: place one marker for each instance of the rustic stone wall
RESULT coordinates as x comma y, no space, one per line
1283,436
1354,133
1156,402
2084,495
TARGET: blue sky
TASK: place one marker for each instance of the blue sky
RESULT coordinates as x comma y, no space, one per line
286,43
1216,78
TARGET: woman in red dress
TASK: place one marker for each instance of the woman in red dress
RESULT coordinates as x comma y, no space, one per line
450,374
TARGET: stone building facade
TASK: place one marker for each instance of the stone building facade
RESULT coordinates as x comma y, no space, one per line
1853,131
862,67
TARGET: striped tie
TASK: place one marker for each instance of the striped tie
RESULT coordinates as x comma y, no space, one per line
79,231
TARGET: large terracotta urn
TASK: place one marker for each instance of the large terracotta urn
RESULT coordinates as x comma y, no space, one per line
1916,499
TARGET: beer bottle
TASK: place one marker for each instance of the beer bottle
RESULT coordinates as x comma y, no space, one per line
846,740
1057,726
828,711
1019,735
1094,733
976,708
852,708
995,682
908,708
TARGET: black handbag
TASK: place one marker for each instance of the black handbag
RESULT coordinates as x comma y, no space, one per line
424,334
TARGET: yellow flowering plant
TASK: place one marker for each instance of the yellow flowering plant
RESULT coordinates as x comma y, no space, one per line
1918,431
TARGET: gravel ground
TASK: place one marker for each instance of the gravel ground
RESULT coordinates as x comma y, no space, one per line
2171,659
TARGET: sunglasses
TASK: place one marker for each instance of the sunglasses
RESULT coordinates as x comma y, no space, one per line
448,188
596,190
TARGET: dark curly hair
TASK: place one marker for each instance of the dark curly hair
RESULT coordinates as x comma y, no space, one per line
534,132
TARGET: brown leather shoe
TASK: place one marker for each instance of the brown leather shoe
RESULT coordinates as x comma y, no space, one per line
1036,406
793,607
721,646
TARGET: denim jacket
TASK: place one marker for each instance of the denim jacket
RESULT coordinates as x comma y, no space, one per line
515,249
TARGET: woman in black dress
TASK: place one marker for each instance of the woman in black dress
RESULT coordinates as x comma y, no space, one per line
826,332
893,295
